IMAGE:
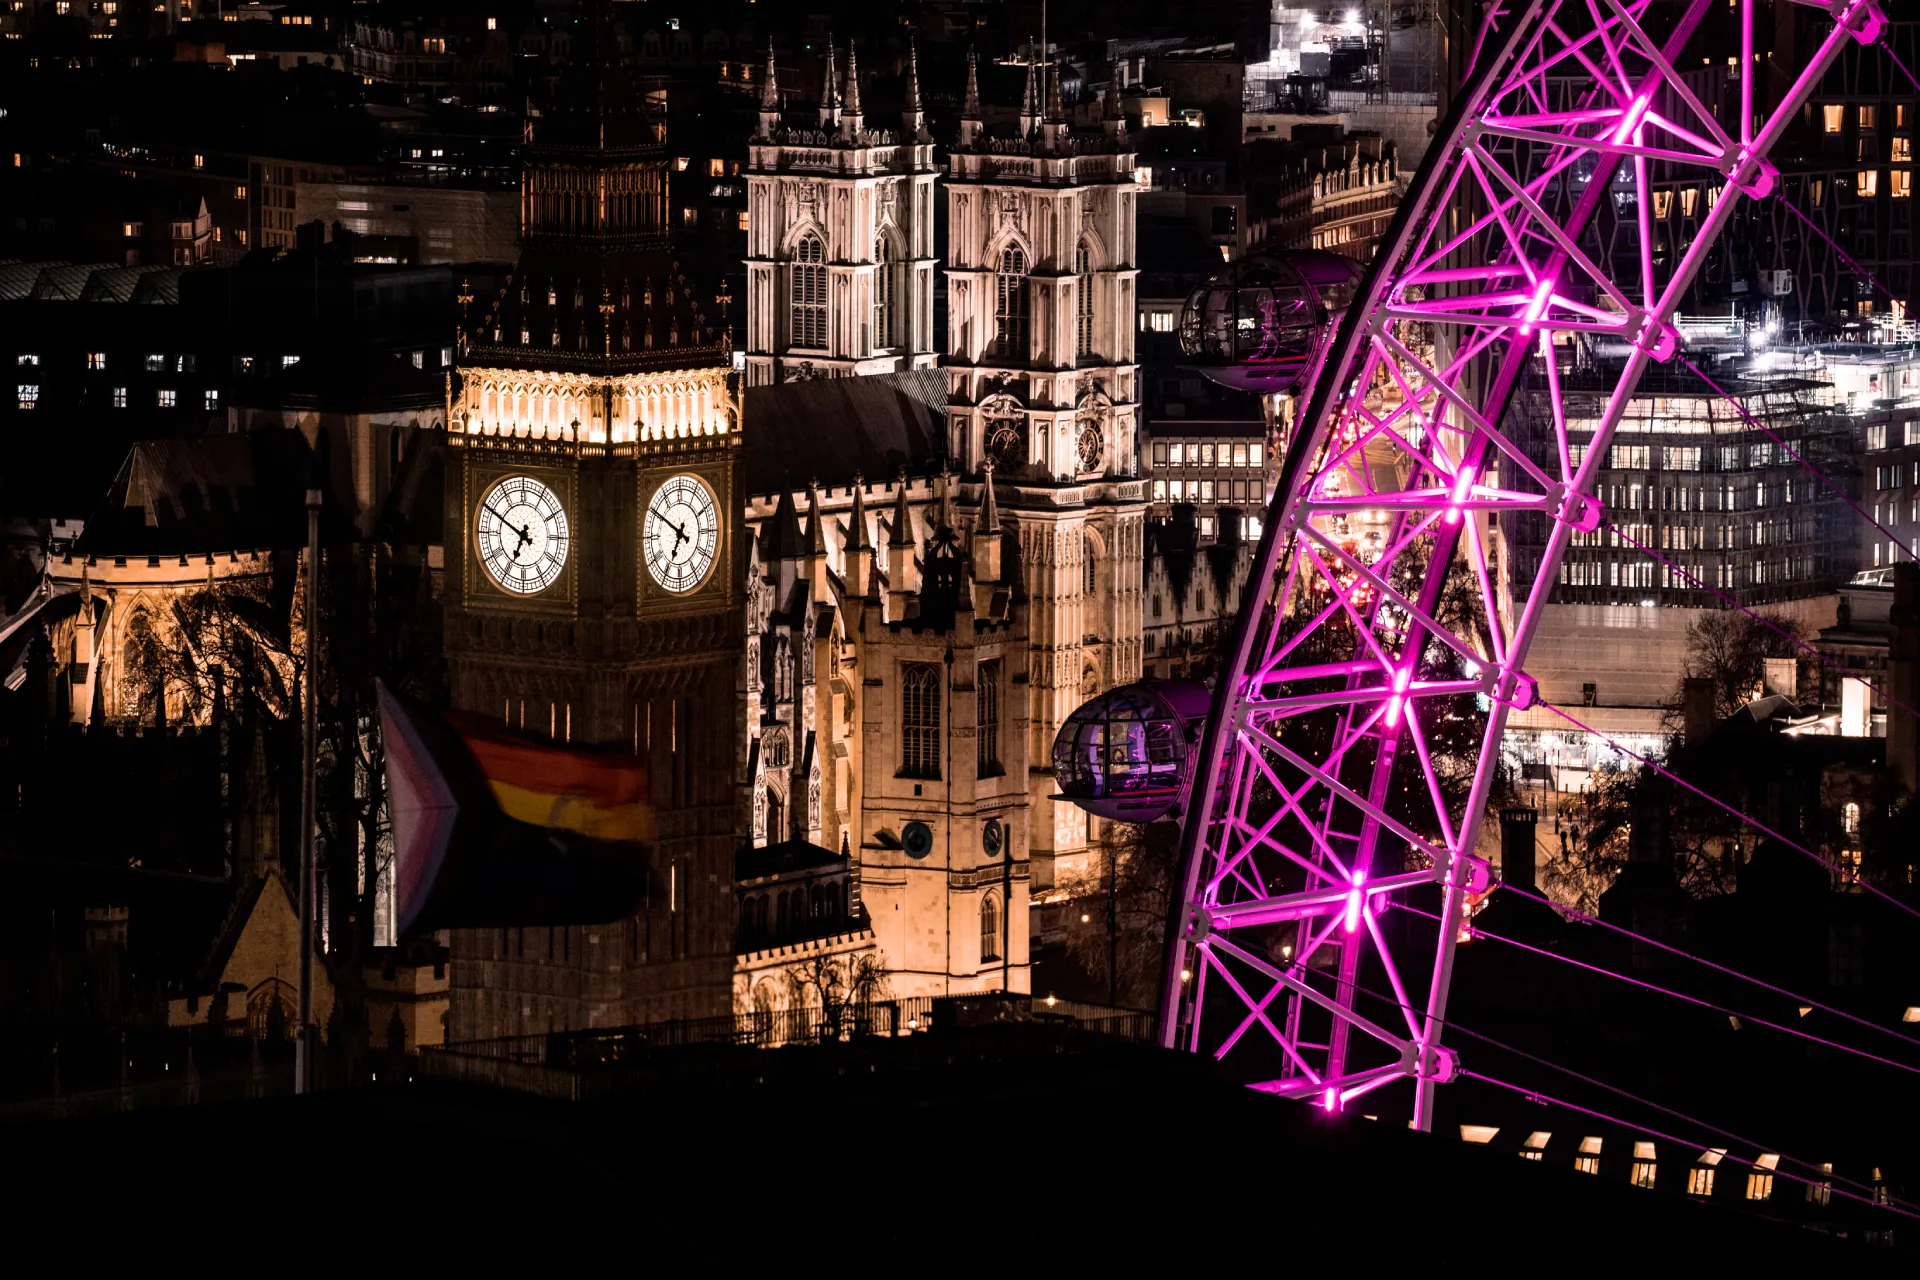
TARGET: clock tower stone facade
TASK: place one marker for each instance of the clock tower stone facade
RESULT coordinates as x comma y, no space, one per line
593,377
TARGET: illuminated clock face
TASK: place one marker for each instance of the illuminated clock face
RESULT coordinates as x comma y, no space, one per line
682,533
523,536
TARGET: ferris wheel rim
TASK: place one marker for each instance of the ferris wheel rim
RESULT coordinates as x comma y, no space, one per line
1195,923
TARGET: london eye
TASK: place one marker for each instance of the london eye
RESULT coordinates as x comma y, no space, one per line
1310,802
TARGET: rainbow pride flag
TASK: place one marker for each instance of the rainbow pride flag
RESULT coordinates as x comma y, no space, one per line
494,828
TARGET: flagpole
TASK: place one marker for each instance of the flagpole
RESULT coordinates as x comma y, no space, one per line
304,1046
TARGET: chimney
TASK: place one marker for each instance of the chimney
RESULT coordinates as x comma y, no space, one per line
1696,707
1517,847
1783,677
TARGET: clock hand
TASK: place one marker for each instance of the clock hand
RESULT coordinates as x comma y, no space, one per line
521,529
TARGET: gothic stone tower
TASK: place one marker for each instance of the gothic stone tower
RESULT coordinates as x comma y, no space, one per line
592,590
839,238
1041,379
894,660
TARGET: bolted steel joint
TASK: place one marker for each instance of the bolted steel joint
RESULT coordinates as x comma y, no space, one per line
1583,512
1862,18
1199,926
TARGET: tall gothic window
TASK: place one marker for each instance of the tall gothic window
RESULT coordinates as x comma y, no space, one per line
1010,308
989,928
809,293
1083,267
987,689
920,720
883,295
1088,565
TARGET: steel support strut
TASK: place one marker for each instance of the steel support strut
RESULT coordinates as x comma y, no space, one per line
1382,596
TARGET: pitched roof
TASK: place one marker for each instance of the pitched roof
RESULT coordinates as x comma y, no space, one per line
788,855
204,494
832,429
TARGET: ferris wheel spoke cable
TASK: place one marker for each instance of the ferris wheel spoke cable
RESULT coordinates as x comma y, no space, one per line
1761,618
1678,995
1793,453
1865,1194
1844,873
1581,917
1822,1175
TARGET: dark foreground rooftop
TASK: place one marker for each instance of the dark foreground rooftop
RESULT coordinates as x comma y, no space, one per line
984,1149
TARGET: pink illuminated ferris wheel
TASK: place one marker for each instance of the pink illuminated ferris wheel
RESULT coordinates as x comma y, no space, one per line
1352,742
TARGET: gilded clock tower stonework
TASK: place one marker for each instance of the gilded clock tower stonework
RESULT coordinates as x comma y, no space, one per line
593,589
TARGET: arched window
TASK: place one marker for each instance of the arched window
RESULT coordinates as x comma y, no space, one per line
1010,305
989,928
142,684
1088,567
809,293
883,295
1083,267
920,720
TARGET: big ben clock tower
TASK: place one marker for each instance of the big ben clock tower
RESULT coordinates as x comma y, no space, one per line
593,530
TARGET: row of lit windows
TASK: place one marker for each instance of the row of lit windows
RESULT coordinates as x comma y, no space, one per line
1640,573
159,362
1889,512
1205,453
1696,537
716,167
1646,1167
1206,491
1895,474
27,396
1910,430
1833,115
155,362
1729,457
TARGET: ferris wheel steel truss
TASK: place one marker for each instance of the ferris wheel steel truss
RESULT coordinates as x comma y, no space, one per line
1344,659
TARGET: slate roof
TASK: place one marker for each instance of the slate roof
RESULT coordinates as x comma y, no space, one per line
212,493
788,855
828,429
57,280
